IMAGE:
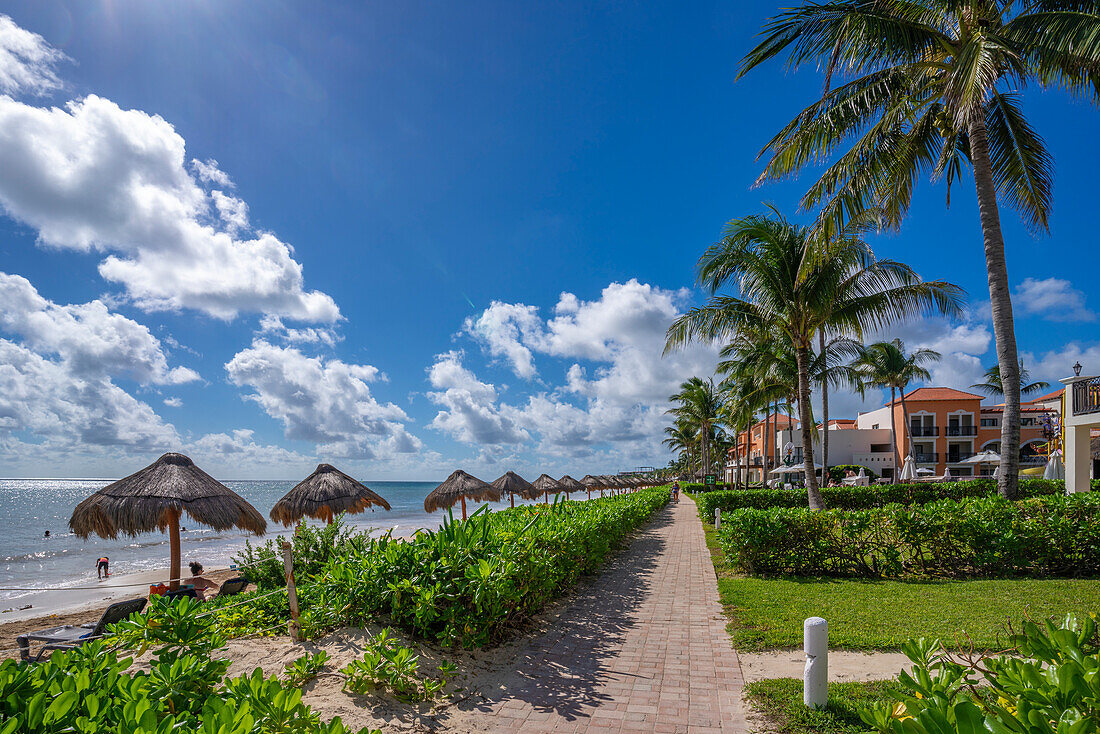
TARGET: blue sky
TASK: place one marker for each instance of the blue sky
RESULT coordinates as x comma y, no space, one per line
405,237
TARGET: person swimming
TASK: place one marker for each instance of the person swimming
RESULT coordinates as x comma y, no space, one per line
47,534
102,567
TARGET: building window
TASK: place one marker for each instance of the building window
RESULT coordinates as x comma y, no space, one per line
1027,422
990,422
880,448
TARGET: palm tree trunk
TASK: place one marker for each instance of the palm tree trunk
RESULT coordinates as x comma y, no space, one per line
705,458
905,418
1001,303
824,411
802,356
894,436
774,423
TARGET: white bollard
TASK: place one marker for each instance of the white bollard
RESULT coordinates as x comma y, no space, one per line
717,518
815,682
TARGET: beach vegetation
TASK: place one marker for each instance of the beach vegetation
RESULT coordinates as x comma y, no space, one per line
312,547
469,583
304,669
932,88
98,687
390,666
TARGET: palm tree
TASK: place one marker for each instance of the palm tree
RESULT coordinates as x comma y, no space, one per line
791,281
700,404
886,365
936,87
682,439
832,369
994,386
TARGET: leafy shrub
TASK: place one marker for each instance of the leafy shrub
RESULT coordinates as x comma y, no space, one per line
987,536
313,547
304,669
391,666
836,473
865,498
185,691
1047,684
469,582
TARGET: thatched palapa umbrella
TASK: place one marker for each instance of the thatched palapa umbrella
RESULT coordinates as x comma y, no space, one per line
546,484
514,484
324,494
593,483
572,485
155,497
458,487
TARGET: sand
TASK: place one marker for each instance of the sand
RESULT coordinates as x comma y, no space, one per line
844,665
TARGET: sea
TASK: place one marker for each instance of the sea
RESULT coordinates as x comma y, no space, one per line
31,562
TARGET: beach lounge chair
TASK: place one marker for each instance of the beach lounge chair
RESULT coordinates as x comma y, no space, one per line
232,587
69,637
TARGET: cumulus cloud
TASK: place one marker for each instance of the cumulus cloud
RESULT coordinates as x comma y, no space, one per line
173,402
326,402
1057,364
51,401
91,176
273,326
1053,299
238,450
469,407
90,340
502,328
27,62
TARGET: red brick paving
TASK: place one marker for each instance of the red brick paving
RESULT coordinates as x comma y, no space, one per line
642,649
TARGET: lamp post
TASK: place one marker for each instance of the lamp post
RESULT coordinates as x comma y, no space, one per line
1077,369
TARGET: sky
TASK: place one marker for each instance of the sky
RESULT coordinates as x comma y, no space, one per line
411,237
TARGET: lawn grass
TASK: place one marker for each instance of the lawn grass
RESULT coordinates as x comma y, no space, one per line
767,613
780,701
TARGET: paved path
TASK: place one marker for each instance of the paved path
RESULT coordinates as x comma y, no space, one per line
642,649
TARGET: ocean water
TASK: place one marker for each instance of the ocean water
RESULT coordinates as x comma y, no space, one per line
29,507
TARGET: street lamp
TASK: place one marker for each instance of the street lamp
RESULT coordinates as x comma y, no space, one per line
1077,369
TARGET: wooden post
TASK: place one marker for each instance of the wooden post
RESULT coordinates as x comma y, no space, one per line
512,498
174,548
589,493
463,507
293,627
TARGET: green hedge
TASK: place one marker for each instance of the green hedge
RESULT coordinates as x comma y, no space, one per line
989,536
469,582
865,498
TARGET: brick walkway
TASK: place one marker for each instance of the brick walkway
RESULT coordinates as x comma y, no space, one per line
642,649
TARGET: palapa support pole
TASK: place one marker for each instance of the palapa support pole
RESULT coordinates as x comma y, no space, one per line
463,507
174,548
512,498
293,627
589,493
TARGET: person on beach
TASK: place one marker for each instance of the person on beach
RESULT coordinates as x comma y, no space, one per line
102,567
200,584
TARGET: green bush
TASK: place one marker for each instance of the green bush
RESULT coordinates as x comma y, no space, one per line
865,498
185,691
1048,683
836,473
469,582
984,536
313,547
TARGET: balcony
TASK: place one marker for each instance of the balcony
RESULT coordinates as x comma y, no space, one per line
923,431
1086,396
926,458
962,430
954,457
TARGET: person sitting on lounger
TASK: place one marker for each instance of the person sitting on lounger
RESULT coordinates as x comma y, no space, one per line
200,584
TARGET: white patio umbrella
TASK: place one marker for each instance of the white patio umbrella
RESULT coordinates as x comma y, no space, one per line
947,474
908,470
1054,468
925,470
983,457
794,469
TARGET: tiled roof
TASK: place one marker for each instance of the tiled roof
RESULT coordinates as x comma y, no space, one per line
1048,396
938,393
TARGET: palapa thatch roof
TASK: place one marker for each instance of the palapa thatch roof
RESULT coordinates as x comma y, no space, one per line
324,494
571,485
593,482
146,500
513,483
546,483
459,485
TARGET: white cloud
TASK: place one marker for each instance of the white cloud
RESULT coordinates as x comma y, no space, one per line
470,411
237,453
274,327
500,329
66,409
326,402
26,61
88,338
1053,299
1057,364
209,172
92,176
173,402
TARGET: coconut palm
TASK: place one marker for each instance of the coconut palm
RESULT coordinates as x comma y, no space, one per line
934,87
832,370
887,365
994,386
791,280
700,404
683,437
